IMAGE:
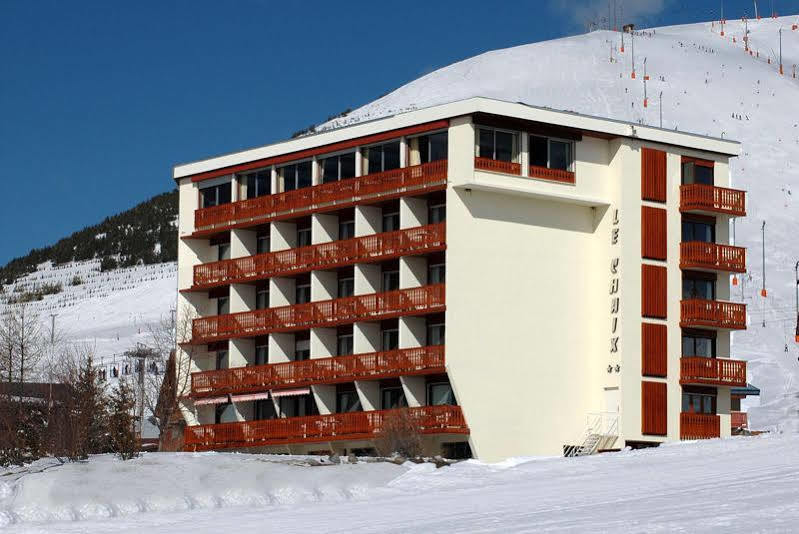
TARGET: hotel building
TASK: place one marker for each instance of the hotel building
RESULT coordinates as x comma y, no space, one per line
511,280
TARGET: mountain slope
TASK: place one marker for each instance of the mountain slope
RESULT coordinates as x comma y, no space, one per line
710,85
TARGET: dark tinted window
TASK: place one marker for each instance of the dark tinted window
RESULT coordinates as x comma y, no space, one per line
538,151
698,289
504,146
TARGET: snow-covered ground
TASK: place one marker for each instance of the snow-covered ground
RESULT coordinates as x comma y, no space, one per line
747,484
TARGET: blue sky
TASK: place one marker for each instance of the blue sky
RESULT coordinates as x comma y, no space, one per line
98,99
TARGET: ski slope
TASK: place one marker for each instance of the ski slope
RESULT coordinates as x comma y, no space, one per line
710,86
747,484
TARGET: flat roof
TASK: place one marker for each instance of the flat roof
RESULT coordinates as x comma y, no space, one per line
519,110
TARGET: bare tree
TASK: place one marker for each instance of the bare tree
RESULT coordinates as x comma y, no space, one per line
21,342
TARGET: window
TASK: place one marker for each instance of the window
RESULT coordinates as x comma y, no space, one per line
219,411
346,229
261,355
440,393
303,292
696,288
221,359
391,221
391,280
346,287
215,195
304,236
262,298
431,147
390,339
694,345
262,243
436,213
264,409
551,153
497,144
435,334
223,305
223,251
698,231
698,401
347,399
436,274
336,168
258,183
382,157
297,406
345,345
302,349
697,172
392,397
296,176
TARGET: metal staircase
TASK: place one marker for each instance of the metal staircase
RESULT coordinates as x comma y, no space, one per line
602,431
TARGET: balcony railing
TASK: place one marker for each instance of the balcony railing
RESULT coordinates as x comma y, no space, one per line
699,426
325,313
319,428
712,256
712,314
495,165
555,175
403,362
713,371
370,248
323,197
739,420
708,198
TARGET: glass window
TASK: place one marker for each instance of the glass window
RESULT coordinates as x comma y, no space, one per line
258,183
346,229
383,157
219,412
262,244
437,214
497,144
297,406
390,339
390,280
391,221
337,168
698,403
560,156
504,146
698,231
392,398
302,349
432,147
262,299
436,274
296,176
264,409
485,143
303,293
347,401
439,394
261,355
216,195
345,345
222,306
698,289
698,346
435,334
539,151
346,287
223,251
303,237
329,167
696,174
221,359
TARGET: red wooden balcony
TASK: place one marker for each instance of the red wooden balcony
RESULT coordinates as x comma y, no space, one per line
699,426
739,420
713,371
323,197
712,314
495,165
710,199
712,256
365,249
375,365
555,175
325,313
320,428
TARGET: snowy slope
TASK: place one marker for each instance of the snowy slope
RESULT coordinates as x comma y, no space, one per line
746,485
710,86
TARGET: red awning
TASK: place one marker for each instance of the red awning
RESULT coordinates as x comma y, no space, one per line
250,397
211,400
291,392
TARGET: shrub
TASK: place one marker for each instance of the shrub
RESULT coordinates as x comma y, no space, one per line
76,281
400,435
50,289
108,264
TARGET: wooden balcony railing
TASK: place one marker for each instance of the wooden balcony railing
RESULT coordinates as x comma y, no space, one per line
370,248
323,197
318,428
403,362
699,426
325,313
699,197
555,175
700,255
739,420
713,371
495,165
712,314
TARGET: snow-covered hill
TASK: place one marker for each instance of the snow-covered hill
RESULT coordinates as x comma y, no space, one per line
710,85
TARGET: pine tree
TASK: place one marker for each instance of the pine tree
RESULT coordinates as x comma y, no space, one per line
121,423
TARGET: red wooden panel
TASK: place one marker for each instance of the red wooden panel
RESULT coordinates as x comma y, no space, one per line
653,175
653,291
653,233
653,408
653,349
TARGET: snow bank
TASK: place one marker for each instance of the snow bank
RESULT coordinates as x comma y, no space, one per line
106,487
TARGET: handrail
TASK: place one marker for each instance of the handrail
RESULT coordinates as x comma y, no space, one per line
701,197
317,428
702,255
713,371
495,165
713,314
376,247
555,175
372,365
699,426
386,305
